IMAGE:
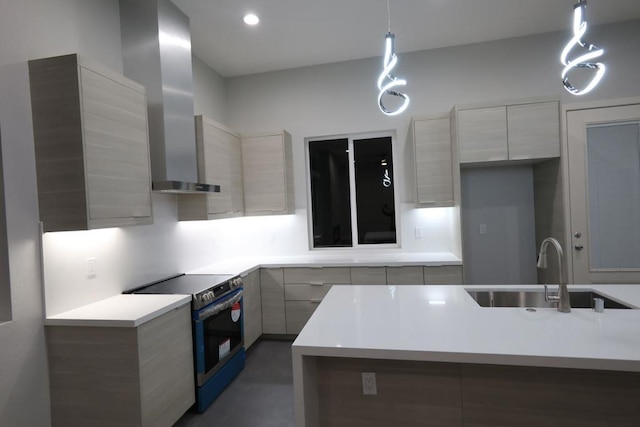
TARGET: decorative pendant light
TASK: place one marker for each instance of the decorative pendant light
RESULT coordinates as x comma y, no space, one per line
582,61
389,62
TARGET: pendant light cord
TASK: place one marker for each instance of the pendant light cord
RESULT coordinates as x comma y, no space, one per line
388,16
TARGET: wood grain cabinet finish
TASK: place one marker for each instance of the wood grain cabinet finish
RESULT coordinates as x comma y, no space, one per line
405,275
534,130
120,376
267,168
482,134
304,289
434,162
518,131
443,275
219,163
91,145
252,305
272,297
368,275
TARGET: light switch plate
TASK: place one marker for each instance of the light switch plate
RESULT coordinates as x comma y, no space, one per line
91,268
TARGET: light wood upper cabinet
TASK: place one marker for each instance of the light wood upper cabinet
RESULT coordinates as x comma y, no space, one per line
534,130
518,131
267,167
482,134
220,163
91,145
434,161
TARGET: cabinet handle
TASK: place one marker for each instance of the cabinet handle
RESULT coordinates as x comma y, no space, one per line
316,300
316,283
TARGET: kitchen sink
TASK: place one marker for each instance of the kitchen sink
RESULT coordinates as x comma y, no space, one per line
535,299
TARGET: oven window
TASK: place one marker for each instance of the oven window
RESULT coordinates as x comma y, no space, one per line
221,336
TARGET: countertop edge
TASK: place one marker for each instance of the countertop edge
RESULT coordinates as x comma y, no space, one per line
470,358
64,319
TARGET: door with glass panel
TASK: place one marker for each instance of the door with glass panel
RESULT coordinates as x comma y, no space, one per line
604,192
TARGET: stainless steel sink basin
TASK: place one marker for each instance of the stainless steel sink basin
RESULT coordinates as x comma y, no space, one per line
535,299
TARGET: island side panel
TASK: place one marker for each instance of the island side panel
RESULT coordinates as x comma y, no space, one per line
409,393
305,389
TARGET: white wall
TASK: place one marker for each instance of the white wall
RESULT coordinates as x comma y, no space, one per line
341,98
210,92
501,201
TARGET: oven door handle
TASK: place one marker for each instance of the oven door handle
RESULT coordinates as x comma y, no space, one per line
218,307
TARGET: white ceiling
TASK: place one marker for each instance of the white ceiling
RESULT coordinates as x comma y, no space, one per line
297,33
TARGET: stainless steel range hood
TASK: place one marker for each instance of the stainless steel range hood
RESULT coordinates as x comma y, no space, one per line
156,51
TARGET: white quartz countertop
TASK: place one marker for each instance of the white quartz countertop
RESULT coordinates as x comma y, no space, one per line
443,323
244,265
127,310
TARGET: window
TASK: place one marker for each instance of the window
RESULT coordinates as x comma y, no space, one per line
352,191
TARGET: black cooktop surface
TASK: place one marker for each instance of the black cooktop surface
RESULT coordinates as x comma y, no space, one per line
188,284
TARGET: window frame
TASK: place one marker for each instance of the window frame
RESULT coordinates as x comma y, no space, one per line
350,137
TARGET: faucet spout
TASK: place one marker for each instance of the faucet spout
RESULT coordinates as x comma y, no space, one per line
562,297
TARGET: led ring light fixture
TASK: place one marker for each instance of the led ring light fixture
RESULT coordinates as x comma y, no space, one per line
389,63
582,61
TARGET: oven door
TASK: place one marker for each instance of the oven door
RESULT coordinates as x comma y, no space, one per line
218,334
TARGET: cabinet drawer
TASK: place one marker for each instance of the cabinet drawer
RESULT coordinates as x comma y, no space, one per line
335,275
298,313
306,292
443,275
369,276
412,275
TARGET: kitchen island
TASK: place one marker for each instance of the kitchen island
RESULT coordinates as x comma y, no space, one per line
440,359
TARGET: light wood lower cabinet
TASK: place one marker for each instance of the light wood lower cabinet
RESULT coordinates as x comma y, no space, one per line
272,295
119,376
443,275
368,275
304,289
252,301
412,393
407,275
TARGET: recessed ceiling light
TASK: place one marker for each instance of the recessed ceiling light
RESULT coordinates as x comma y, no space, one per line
251,19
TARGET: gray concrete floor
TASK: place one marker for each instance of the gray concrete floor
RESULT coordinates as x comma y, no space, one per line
260,396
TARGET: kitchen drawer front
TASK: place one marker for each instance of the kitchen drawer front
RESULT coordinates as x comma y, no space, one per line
298,313
306,291
335,275
368,275
443,275
410,275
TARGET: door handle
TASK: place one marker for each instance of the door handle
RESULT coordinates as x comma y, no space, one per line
578,247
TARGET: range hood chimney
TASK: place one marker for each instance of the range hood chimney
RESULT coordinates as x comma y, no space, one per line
156,52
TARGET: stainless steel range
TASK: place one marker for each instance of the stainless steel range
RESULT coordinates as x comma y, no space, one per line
218,337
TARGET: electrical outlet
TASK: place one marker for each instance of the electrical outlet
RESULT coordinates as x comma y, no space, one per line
483,228
369,383
91,268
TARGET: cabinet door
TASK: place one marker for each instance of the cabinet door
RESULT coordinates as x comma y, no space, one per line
214,164
116,148
252,301
482,134
272,296
368,275
409,275
433,162
534,130
443,275
267,174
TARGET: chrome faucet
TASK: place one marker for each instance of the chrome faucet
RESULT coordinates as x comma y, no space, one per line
562,297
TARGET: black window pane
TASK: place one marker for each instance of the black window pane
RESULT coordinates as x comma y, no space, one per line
374,191
330,198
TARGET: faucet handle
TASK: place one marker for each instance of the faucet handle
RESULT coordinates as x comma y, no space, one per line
548,297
